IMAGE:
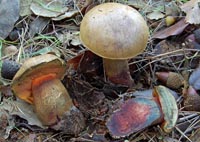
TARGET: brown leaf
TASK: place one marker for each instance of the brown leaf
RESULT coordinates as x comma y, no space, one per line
186,7
191,8
175,29
23,110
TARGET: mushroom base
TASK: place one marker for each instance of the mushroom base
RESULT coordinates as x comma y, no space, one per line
117,72
51,99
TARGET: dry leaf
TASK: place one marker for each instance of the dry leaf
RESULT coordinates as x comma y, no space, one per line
188,6
68,14
175,29
191,8
9,14
23,110
25,7
172,9
137,3
48,8
38,25
156,15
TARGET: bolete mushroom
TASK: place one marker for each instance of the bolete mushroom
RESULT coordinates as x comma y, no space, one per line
38,82
116,32
138,113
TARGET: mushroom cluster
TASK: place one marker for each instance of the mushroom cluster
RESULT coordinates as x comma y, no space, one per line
115,32
38,82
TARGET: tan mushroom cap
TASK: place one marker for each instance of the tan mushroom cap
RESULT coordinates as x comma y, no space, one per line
33,68
114,31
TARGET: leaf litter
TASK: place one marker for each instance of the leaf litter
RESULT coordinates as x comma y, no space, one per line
53,27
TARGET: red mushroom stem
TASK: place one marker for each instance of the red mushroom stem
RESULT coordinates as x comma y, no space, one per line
117,72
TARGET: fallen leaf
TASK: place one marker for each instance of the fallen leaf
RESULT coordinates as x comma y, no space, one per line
172,9
38,25
68,14
155,15
175,29
191,8
186,7
48,8
192,16
46,50
137,3
25,7
79,6
23,110
9,14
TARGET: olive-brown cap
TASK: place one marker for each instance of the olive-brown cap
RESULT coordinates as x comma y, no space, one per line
114,31
33,68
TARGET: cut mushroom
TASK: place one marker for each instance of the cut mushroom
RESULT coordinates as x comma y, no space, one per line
134,115
138,113
115,32
38,82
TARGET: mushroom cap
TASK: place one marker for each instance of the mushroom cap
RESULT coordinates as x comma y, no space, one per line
168,105
114,31
33,68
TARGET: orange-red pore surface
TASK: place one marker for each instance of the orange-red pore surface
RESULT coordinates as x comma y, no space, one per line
134,115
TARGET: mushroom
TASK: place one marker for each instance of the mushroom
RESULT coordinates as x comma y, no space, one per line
115,32
38,82
138,113
134,115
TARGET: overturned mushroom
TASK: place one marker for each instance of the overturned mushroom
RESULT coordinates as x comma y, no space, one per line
38,82
138,113
134,115
115,32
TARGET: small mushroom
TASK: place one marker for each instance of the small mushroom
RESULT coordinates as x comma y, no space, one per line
38,82
115,32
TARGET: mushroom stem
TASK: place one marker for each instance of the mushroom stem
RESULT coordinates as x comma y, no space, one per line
117,72
51,99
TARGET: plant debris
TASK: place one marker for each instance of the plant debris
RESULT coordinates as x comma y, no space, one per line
163,91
